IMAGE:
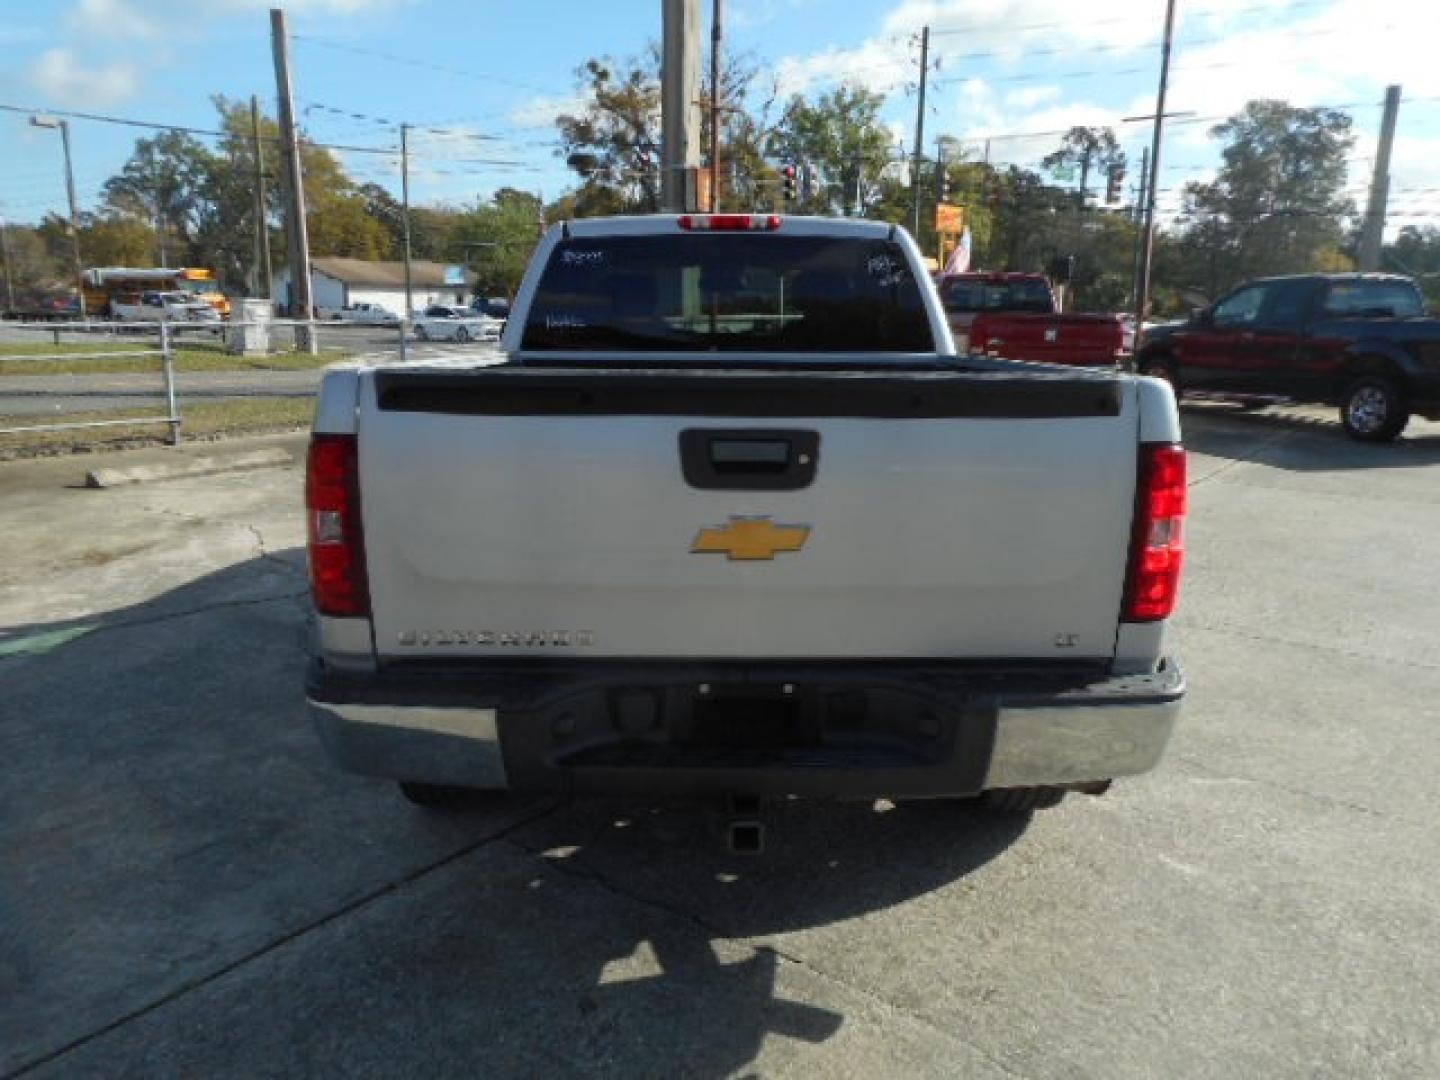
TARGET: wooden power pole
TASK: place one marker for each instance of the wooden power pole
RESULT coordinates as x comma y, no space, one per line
1147,240
715,37
1372,231
262,224
679,107
920,130
294,184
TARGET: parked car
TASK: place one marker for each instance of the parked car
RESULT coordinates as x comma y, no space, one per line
366,315
733,519
445,322
1361,341
176,306
1017,317
497,307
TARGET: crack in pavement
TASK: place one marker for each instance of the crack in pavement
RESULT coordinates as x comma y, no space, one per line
1246,459
569,868
1211,773
285,939
1183,624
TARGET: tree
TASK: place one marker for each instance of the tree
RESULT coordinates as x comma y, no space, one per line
166,180
1089,149
840,146
498,238
1416,251
613,143
1278,203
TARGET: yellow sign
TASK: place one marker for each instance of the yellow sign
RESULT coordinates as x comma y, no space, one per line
751,538
949,218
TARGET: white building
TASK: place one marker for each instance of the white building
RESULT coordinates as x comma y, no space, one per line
337,283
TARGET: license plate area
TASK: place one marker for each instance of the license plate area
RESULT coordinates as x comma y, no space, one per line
751,717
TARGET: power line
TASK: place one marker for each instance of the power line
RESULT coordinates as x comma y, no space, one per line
128,122
410,62
981,28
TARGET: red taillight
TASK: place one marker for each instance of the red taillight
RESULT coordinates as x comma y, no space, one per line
332,514
1158,549
730,222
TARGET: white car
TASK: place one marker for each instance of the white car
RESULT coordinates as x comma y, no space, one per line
444,322
163,307
366,315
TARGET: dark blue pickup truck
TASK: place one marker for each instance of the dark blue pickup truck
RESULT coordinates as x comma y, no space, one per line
1362,341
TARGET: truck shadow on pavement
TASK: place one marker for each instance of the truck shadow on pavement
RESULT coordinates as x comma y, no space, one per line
1299,441
188,886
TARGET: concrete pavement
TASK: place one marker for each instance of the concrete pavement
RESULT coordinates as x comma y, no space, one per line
188,888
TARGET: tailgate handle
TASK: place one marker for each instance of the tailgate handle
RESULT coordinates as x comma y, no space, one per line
752,459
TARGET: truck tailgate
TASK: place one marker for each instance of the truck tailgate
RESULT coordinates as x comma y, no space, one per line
1087,340
527,512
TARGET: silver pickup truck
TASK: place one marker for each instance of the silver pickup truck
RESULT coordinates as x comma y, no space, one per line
732,518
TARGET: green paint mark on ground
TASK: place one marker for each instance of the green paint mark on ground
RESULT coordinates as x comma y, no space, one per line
35,644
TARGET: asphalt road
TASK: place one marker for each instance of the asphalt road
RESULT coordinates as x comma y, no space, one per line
188,888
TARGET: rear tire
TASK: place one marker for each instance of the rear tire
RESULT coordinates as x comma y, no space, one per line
1020,800
1373,409
440,797
420,334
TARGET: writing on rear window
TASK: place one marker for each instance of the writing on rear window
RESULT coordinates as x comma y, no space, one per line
731,292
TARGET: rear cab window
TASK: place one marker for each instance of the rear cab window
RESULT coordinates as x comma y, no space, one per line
731,292
964,296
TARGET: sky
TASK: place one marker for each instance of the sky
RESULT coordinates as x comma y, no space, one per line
483,79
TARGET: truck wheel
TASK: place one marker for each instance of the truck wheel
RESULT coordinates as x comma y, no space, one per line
1373,409
462,336
439,796
1020,800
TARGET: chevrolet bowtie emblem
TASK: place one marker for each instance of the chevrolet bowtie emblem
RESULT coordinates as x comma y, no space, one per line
751,538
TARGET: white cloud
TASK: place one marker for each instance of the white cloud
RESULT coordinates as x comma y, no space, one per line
1031,97
66,80
121,19
541,111
879,65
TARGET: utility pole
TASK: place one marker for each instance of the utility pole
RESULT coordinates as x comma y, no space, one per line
1147,242
262,226
1138,216
405,218
295,184
1137,211
715,16
1372,232
5,257
64,127
679,109
920,129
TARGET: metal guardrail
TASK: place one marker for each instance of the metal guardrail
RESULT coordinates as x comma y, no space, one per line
166,352
250,338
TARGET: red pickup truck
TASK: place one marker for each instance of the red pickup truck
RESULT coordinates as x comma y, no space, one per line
1016,316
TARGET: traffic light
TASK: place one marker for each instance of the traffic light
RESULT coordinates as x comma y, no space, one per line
1113,184
942,182
787,182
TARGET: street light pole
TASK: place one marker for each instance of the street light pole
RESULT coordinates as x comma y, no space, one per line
64,126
